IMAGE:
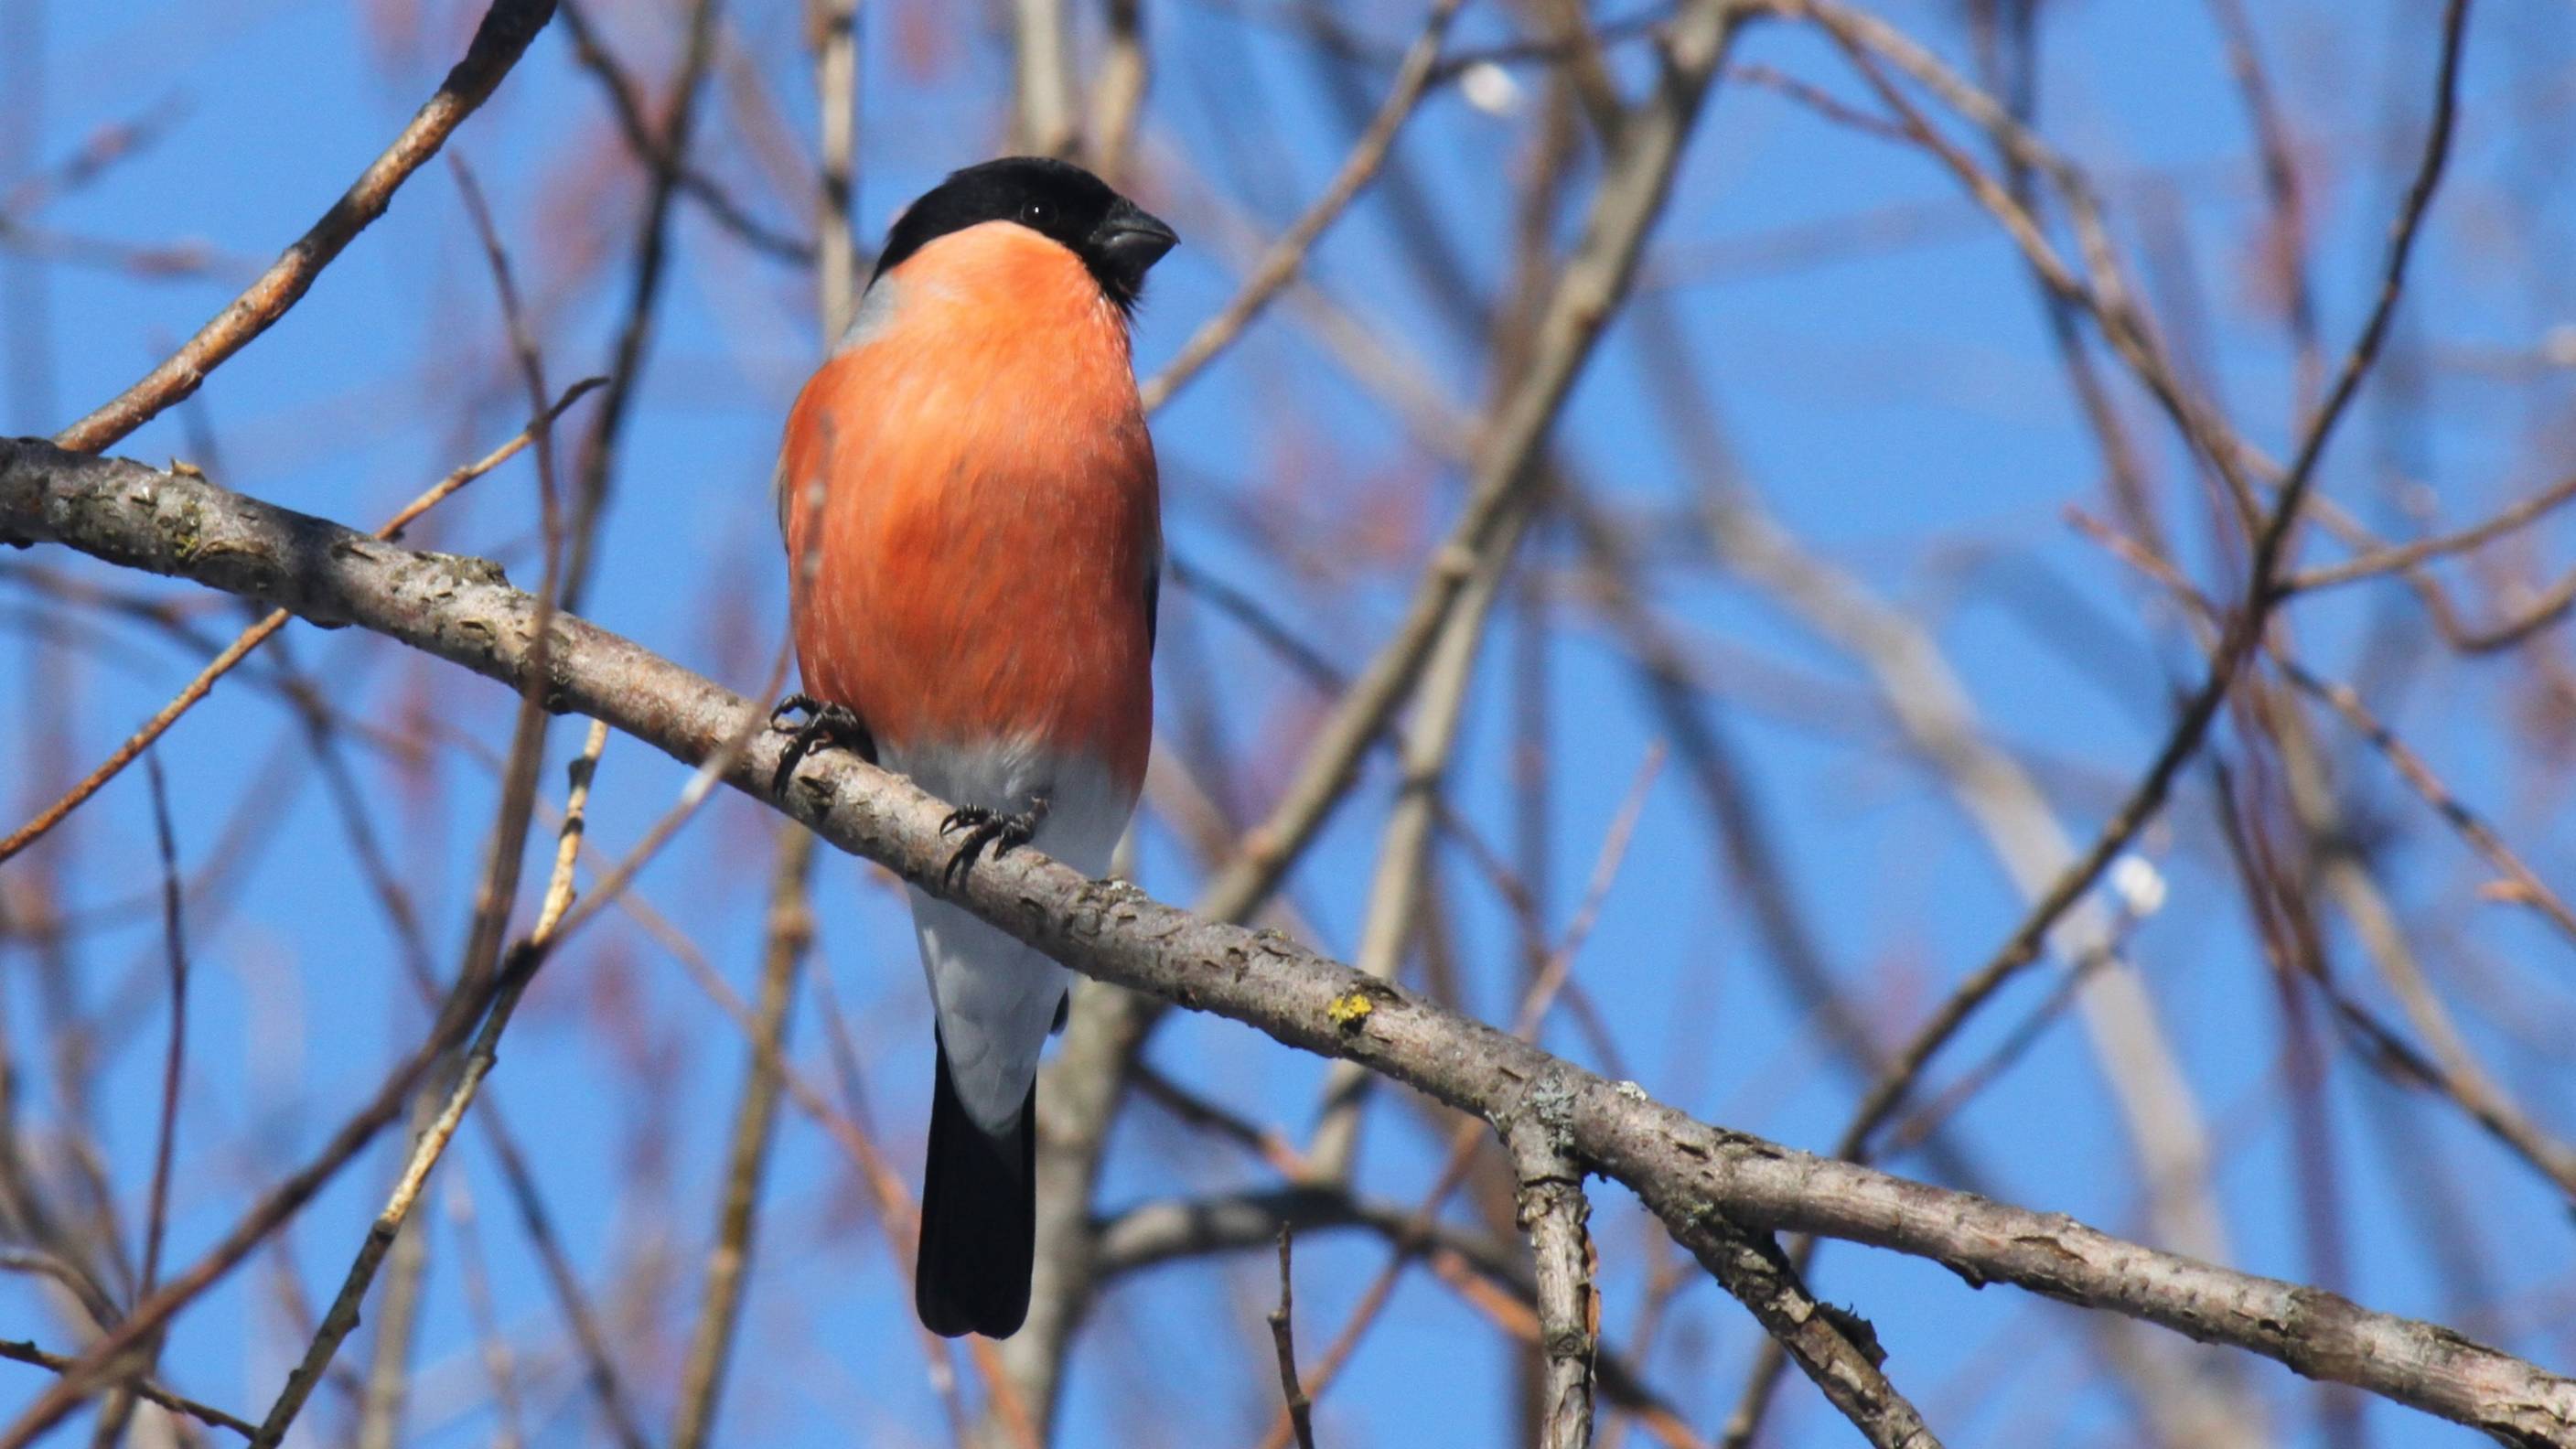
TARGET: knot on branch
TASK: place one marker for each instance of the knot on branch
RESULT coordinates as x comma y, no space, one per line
1545,1106
1859,1332
1103,905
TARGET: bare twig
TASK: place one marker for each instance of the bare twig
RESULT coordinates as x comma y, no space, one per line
2244,629
1287,255
1301,1409
653,152
157,1216
1396,888
257,634
597,467
1835,1349
2288,246
1485,1271
791,932
507,28
2405,556
21,1351
343,1314
590,1340
1584,297
836,82
2525,885
265,1216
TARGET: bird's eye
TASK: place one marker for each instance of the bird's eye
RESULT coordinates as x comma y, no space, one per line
1036,213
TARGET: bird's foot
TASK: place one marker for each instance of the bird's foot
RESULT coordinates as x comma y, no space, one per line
984,828
825,725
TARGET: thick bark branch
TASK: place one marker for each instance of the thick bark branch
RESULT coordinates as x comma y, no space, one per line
1688,1172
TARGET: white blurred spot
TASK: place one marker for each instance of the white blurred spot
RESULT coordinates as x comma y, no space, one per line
2138,884
1490,88
2558,345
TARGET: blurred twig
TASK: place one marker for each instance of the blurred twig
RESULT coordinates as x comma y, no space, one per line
513,982
791,933
663,163
1043,122
836,84
258,633
656,152
1118,91
20,1351
1280,264
2244,628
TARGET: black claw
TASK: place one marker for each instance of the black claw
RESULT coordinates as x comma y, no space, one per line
986,827
826,725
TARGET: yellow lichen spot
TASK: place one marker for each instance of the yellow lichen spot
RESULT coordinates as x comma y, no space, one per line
186,469
1349,1009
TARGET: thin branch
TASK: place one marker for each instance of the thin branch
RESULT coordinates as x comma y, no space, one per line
498,42
498,1362
342,1317
257,634
1280,265
266,1216
2523,885
1398,884
623,102
1301,1409
791,933
175,943
2405,556
21,1351
590,1342
2289,244
1487,1272
598,459
2245,628
1835,1349
1584,297
836,83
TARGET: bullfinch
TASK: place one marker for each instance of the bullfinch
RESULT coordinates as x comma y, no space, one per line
969,499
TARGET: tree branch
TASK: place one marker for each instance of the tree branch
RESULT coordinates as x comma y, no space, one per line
464,611
1553,1212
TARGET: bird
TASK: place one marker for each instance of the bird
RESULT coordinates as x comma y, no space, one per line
972,516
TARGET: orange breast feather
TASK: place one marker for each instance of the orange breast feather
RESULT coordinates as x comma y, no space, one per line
978,490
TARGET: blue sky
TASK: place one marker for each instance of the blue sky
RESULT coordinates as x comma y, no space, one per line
1900,411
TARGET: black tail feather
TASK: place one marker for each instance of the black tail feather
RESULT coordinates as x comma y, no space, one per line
979,1219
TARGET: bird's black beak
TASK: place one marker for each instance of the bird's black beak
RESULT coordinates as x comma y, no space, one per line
1131,239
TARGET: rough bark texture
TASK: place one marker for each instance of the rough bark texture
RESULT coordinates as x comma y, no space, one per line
1690,1173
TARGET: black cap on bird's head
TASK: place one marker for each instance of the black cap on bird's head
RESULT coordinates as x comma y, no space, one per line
1114,237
